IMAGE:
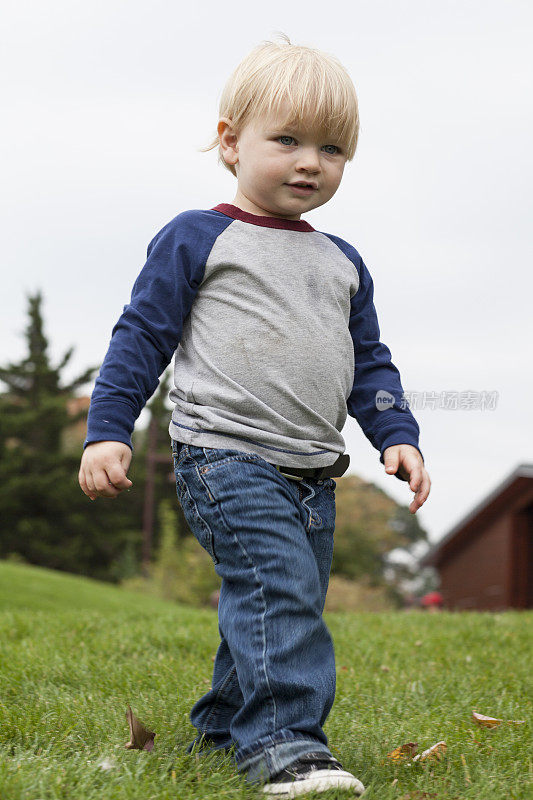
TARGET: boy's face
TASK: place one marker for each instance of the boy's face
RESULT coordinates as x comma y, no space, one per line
268,159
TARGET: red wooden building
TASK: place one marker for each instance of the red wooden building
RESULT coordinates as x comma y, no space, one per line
486,561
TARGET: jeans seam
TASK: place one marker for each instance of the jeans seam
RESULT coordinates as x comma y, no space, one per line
210,536
180,457
263,633
315,521
309,513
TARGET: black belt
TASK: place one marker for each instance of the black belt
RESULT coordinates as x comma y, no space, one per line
334,470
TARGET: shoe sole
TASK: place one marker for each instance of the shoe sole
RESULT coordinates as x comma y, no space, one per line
319,781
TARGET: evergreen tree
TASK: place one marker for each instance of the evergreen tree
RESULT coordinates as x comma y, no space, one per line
45,517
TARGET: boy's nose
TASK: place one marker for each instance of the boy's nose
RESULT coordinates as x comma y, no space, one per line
308,159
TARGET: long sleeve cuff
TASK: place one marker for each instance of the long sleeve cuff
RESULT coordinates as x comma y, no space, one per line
110,421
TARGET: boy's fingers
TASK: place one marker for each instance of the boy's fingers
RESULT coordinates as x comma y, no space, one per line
125,459
117,476
425,488
91,490
103,469
415,477
391,462
422,494
406,464
103,485
83,484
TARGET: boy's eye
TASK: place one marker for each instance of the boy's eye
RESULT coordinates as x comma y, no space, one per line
291,138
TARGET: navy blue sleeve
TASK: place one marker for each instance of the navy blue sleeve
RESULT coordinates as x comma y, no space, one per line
376,400
148,332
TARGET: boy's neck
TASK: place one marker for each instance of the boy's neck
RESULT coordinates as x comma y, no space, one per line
250,208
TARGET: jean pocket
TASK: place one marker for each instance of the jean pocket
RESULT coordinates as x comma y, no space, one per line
199,527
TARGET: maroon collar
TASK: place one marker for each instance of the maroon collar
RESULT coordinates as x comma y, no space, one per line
266,222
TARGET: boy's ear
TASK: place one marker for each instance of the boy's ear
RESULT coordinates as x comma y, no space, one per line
228,140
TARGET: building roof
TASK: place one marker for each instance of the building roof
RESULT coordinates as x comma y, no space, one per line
487,509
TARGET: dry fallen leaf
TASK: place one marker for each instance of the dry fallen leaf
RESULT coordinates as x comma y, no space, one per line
434,753
403,752
140,737
486,722
492,722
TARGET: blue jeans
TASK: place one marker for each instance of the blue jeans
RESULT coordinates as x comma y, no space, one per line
271,542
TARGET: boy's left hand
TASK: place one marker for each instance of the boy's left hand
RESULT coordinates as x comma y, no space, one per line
407,462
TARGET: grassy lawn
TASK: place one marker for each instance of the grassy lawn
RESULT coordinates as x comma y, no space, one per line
75,652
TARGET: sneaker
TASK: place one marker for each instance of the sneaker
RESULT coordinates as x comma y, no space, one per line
312,772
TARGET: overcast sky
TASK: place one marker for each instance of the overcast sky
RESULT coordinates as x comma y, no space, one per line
105,105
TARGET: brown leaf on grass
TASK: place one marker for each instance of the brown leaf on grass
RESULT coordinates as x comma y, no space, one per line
140,737
434,753
404,752
486,722
492,722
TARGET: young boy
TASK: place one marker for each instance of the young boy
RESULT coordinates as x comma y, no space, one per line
275,337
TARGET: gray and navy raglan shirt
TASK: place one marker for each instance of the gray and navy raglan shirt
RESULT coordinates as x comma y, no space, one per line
275,340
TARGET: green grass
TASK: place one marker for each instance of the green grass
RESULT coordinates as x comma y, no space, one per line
75,652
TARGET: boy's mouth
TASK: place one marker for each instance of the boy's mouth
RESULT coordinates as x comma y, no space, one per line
303,187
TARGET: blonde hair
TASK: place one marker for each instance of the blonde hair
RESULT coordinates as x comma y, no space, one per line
319,90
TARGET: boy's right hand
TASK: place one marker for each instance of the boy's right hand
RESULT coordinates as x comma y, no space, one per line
103,469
